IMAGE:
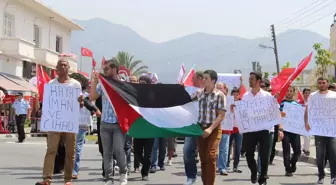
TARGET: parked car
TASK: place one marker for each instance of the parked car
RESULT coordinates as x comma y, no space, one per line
92,127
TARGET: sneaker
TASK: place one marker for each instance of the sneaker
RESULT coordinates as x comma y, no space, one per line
190,182
116,170
288,174
327,171
169,163
223,172
293,169
320,181
162,168
152,170
236,170
43,183
74,176
145,178
123,179
109,182
333,181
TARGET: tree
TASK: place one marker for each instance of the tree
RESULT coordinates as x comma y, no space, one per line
323,60
135,66
287,65
266,75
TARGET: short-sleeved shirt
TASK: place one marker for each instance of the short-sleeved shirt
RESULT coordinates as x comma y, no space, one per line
108,113
21,106
209,104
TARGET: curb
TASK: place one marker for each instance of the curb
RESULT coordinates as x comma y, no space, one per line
28,135
302,158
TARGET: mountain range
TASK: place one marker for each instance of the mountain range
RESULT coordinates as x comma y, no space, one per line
222,53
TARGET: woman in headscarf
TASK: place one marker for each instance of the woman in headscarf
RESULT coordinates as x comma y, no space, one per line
143,147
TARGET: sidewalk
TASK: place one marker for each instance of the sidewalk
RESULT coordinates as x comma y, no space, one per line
28,134
311,159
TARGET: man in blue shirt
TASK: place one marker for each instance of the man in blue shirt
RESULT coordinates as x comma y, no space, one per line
113,140
22,109
290,139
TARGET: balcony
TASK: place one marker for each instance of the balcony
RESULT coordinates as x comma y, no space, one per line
17,48
46,57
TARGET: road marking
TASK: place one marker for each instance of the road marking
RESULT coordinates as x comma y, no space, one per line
43,143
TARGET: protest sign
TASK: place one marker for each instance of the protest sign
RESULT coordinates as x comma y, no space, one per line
231,80
294,120
60,111
322,116
84,116
227,123
255,114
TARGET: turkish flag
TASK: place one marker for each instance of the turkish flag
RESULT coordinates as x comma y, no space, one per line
242,91
300,98
42,78
94,63
86,52
188,79
278,81
295,74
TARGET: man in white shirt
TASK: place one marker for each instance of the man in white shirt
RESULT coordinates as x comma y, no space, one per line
323,143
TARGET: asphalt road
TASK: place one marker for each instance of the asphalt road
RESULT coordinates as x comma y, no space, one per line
21,164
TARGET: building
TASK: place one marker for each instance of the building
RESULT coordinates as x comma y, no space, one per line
332,70
30,34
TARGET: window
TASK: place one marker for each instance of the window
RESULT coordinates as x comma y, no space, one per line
59,43
37,36
9,25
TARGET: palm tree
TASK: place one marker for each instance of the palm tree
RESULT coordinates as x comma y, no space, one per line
135,66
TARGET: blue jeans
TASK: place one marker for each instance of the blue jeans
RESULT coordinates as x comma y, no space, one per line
128,150
189,157
238,138
80,140
223,152
160,144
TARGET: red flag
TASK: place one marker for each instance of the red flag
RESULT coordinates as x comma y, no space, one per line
242,91
94,63
103,62
278,81
41,79
188,81
292,77
300,97
53,73
86,52
181,74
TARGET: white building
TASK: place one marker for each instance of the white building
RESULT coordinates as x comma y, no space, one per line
32,33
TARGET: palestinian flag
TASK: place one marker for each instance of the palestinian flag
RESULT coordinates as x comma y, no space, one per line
152,110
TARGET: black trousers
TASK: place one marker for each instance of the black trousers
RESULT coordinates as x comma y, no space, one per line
20,121
253,139
100,146
143,151
275,140
291,139
59,159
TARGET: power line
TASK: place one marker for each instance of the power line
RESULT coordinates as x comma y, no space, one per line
284,20
307,11
308,24
310,14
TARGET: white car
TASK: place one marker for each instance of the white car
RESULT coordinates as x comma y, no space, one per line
92,127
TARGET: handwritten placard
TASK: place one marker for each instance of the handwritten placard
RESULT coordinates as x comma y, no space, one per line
85,116
255,114
60,111
294,120
227,123
322,116
231,80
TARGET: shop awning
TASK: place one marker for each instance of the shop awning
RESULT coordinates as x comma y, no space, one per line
13,84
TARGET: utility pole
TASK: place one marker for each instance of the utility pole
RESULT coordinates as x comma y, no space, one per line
275,48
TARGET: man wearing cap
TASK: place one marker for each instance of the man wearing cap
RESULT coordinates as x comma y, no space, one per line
22,110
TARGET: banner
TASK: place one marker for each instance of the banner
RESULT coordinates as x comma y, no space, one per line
294,120
231,80
192,90
255,114
227,123
60,108
322,116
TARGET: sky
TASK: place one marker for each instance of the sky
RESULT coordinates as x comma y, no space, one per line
160,21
